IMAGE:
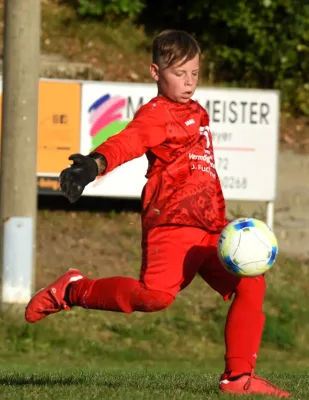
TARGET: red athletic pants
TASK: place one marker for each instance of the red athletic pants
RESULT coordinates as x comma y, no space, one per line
171,258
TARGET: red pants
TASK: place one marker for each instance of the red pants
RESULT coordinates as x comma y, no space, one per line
172,256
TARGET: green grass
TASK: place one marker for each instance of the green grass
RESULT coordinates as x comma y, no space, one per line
188,336
129,385
177,353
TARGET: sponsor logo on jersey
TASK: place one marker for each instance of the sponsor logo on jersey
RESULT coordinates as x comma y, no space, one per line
190,122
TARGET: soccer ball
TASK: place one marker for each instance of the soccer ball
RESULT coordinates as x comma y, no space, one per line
247,247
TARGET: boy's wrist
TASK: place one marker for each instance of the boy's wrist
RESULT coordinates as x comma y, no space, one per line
100,160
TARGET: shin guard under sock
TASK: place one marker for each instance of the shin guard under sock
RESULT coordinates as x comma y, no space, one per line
117,294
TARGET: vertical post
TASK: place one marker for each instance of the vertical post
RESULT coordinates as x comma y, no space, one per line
18,189
270,214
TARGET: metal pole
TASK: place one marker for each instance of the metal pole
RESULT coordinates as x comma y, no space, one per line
18,189
270,214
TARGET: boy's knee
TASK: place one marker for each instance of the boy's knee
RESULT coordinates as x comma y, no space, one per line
156,301
251,290
251,284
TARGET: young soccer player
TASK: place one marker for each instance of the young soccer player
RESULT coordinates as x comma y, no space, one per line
183,212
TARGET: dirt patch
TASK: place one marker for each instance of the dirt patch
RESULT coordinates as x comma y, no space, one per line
294,134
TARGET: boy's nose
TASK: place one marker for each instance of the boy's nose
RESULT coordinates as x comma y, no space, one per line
189,81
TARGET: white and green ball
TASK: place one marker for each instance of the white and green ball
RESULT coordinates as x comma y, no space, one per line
247,247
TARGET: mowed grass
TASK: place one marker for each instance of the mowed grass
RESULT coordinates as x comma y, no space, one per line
129,385
177,353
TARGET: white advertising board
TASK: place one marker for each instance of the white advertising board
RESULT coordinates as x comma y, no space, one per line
243,122
244,125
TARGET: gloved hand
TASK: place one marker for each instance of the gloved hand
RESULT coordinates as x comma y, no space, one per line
74,178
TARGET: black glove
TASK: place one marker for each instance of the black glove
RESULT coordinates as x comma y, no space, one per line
74,178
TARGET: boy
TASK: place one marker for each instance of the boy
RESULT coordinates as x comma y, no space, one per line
183,212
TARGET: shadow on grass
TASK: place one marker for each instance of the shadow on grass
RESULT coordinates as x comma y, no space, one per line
187,382
20,380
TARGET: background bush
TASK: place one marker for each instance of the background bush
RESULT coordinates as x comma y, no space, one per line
108,8
247,43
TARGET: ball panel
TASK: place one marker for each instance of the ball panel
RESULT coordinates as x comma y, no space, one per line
274,252
234,244
232,267
243,224
224,240
267,231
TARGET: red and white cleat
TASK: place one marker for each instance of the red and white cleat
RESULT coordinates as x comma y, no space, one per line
247,384
50,300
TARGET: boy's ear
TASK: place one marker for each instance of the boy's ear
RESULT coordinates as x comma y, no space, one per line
154,71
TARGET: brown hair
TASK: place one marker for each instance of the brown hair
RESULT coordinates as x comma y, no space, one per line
172,46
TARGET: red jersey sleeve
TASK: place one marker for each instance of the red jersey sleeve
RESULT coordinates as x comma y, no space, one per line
145,131
204,116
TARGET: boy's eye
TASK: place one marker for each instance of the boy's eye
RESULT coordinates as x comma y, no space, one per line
181,73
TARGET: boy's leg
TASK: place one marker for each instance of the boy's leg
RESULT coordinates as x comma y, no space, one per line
244,325
166,268
111,294
245,319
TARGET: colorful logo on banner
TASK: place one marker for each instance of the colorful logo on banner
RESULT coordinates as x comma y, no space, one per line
106,118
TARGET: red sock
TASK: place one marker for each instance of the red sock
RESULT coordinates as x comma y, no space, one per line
117,294
244,325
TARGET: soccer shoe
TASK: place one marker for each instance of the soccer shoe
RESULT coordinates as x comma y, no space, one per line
50,300
247,384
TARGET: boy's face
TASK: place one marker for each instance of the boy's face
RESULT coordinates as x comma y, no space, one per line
177,82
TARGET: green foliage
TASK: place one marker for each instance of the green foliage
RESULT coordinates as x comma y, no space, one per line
263,43
107,8
247,43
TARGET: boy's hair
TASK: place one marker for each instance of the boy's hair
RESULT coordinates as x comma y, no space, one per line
172,46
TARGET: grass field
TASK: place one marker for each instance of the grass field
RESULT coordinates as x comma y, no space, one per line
129,385
174,354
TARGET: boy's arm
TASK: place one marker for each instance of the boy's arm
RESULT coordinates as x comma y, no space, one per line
146,130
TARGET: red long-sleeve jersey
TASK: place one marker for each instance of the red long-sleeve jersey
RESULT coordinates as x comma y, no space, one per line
183,187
